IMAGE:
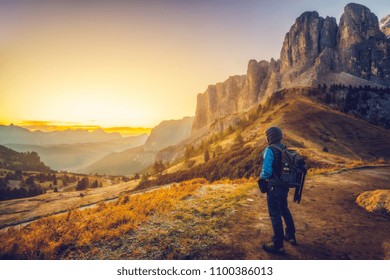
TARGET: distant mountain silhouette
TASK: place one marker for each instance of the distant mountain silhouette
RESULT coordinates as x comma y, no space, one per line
75,157
131,161
17,135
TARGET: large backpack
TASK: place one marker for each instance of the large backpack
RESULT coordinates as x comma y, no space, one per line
293,170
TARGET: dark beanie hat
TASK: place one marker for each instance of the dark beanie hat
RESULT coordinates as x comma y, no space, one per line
274,135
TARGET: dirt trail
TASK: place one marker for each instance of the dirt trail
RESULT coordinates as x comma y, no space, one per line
330,225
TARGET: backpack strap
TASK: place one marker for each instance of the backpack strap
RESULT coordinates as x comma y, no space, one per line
278,147
274,176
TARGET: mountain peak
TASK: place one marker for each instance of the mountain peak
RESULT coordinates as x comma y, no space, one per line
308,37
355,7
307,15
361,22
359,34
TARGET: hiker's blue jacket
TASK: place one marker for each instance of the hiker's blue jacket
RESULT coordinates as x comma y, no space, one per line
268,159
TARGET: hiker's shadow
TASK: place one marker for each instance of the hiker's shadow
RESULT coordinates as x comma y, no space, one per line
310,251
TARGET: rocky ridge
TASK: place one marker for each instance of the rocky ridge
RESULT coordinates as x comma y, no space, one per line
315,51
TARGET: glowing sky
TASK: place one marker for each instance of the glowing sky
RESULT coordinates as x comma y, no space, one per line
134,63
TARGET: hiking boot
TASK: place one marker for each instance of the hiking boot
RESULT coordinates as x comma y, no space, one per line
273,249
292,240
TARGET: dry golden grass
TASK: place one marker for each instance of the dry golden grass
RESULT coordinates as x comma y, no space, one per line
375,201
49,237
199,222
234,181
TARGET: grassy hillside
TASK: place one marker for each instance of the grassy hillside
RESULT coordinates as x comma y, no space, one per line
326,137
29,161
127,162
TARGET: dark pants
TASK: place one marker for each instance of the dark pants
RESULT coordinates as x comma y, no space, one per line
277,208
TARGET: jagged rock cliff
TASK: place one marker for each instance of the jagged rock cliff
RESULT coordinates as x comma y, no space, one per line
363,49
218,101
315,50
384,24
307,39
316,47
308,50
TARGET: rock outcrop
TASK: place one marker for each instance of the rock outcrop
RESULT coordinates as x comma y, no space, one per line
307,38
256,74
307,48
384,25
218,101
315,51
363,49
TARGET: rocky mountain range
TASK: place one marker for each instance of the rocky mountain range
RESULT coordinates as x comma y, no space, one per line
69,150
13,134
315,51
74,157
97,151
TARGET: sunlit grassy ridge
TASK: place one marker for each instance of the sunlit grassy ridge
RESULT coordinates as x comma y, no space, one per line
50,237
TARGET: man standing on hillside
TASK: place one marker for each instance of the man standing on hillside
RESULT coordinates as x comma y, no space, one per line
276,193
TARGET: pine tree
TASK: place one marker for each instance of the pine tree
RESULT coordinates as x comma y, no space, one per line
239,140
206,156
188,152
82,184
158,166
